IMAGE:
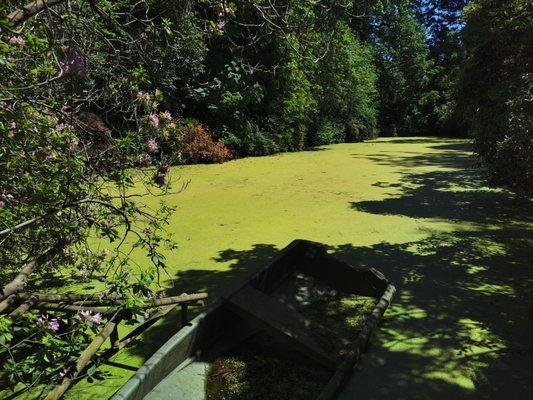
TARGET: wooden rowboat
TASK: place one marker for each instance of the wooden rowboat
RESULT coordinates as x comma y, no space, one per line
274,301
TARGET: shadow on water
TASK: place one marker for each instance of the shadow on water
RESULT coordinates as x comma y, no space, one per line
461,325
461,146
406,159
462,321
454,196
416,140
216,283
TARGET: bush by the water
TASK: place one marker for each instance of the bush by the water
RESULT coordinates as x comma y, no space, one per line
201,147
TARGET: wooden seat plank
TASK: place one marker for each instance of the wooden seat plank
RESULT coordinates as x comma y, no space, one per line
280,320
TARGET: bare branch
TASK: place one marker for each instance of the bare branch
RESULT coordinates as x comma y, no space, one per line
17,17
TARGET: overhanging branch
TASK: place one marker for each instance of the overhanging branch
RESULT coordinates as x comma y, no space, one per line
17,17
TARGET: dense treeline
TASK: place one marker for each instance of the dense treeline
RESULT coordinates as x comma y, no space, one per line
280,76
495,88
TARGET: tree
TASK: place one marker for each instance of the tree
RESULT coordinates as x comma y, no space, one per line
405,72
79,109
347,81
495,87
443,22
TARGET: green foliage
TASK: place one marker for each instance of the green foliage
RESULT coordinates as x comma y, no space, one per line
330,132
347,78
64,175
405,72
292,77
495,88
231,100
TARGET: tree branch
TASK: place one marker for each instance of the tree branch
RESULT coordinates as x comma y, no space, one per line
108,308
18,283
17,17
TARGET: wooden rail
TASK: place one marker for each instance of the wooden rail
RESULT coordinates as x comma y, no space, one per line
107,305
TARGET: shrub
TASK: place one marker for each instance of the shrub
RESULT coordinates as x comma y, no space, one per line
201,147
329,132
249,141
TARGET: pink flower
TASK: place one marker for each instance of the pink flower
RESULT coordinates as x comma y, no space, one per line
152,146
2,203
54,325
61,127
97,318
10,196
42,319
167,115
17,41
63,373
86,314
143,97
154,120
73,63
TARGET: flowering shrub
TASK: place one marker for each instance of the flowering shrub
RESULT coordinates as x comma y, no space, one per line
72,124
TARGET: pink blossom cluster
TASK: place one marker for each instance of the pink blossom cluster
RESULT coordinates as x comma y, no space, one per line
73,63
152,146
154,120
61,127
17,41
46,323
87,315
143,97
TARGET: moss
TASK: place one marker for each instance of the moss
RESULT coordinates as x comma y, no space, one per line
344,314
260,370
